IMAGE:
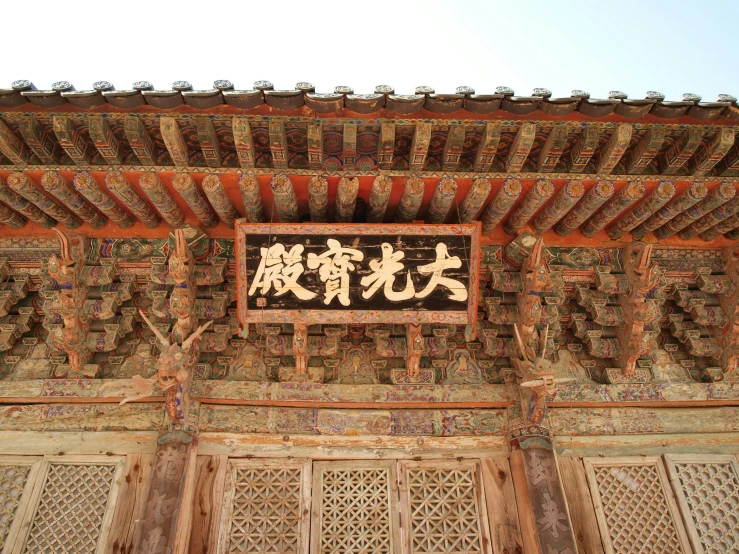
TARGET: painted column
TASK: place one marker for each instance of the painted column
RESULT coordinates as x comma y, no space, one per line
346,199
190,193
318,199
558,206
694,194
23,186
162,200
117,184
534,199
711,219
382,186
213,189
475,199
715,198
653,202
251,198
411,200
498,207
24,207
286,203
593,199
441,201
87,187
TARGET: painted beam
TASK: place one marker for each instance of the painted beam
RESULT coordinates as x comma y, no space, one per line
646,150
188,189
520,148
243,142
174,141
453,147
382,186
696,192
285,200
85,184
104,139
315,145
346,199
123,191
553,148
251,197
278,143
588,204
630,193
386,147
140,141
584,148
534,199
161,199
660,195
420,145
475,200
318,199
21,184
54,183
498,207
441,201
614,149
216,194
710,154
40,140
488,147
72,140
209,145
12,147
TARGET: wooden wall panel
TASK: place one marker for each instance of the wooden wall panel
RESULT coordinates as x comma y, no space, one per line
529,534
580,504
500,497
208,503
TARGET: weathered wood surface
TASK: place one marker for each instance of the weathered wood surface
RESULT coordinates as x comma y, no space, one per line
262,393
502,511
549,507
349,447
646,445
137,474
208,503
641,421
82,417
580,504
24,443
529,534
311,421
166,521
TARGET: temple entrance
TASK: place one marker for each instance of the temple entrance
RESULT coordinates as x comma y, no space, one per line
342,507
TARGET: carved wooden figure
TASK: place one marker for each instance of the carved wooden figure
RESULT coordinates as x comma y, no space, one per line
639,311
537,378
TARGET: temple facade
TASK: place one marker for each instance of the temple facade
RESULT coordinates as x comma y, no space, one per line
281,321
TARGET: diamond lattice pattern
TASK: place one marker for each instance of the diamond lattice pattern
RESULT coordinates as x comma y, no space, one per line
712,494
266,511
444,511
71,509
355,512
12,482
636,510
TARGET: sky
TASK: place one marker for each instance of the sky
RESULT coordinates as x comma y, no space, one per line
672,47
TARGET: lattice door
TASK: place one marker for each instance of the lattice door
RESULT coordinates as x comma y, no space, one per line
71,506
266,507
355,508
17,476
443,508
634,506
707,490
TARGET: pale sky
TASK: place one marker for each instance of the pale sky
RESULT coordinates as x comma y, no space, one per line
672,47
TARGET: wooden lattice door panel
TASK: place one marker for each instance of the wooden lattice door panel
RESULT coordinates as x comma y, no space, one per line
443,508
635,508
355,508
17,476
71,506
707,488
266,507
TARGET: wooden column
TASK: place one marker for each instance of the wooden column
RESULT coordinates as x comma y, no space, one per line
543,513
167,518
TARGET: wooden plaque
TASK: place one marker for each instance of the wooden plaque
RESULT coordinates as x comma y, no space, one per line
354,273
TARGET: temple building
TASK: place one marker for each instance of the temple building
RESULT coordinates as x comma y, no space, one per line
286,321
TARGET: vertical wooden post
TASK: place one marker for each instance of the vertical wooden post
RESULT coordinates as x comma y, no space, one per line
165,525
533,462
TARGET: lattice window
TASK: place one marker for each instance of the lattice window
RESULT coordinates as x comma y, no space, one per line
267,506
72,505
17,474
707,489
634,512
445,505
355,508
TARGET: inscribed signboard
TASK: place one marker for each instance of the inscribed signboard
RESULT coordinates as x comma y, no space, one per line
357,273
